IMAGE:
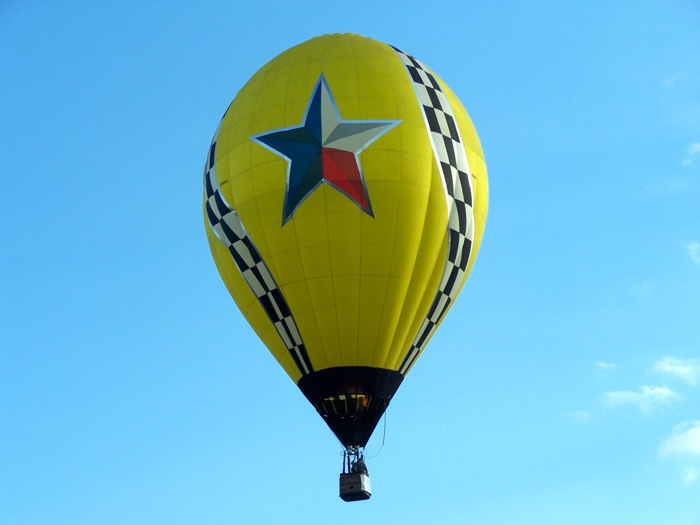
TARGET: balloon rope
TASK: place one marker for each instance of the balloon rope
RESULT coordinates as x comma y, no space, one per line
383,440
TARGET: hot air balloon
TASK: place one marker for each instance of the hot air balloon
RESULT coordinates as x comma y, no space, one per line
345,197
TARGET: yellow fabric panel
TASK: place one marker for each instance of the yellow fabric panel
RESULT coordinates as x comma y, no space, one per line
358,286
479,179
430,263
480,196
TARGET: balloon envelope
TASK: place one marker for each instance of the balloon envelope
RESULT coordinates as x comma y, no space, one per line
345,200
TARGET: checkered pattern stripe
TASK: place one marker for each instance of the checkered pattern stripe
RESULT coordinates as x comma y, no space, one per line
228,228
449,153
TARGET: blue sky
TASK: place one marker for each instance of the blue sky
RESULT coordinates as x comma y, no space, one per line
562,389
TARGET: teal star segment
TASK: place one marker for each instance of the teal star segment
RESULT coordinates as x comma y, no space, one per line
324,148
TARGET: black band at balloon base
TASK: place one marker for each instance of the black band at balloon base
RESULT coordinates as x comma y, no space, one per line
351,399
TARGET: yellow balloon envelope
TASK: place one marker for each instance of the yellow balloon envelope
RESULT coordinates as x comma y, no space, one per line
345,200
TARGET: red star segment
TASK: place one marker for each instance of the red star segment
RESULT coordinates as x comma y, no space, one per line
341,169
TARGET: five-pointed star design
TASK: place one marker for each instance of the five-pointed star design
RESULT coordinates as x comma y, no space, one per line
324,148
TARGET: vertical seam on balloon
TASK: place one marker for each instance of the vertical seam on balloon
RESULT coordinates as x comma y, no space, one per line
228,228
446,142
305,280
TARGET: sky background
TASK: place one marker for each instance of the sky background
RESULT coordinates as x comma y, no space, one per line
564,386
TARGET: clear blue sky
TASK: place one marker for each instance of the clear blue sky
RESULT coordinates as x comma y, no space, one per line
564,387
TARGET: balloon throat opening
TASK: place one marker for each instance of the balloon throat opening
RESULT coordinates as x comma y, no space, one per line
351,400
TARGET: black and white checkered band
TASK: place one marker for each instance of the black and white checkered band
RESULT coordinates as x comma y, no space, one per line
228,228
451,158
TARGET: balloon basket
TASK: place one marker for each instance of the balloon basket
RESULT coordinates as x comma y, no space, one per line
354,480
